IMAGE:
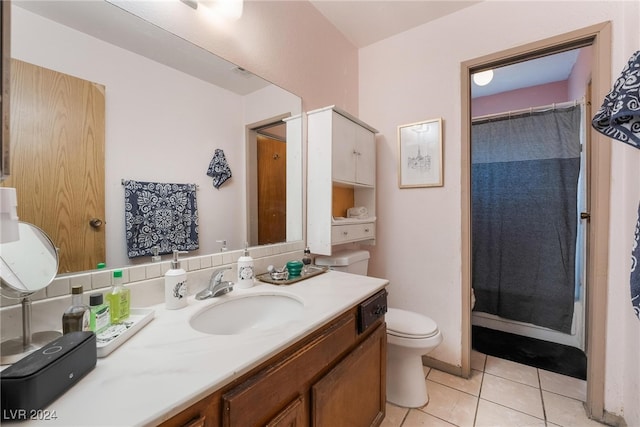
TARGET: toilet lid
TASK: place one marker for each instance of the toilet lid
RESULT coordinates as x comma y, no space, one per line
408,324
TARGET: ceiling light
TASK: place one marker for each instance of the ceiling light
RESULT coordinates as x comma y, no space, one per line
483,78
230,9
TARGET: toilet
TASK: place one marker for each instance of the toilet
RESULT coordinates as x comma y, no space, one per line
409,336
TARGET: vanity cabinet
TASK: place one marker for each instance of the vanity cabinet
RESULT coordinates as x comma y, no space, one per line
341,174
335,376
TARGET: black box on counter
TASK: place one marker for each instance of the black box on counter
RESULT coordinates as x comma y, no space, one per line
29,385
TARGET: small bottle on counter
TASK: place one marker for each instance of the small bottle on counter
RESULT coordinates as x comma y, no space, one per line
119,299
306,260
76,318
245,270
100,316
175,284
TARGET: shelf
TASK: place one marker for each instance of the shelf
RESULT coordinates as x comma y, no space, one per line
115,335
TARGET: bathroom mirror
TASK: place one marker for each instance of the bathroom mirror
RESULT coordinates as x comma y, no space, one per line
168,105
28,264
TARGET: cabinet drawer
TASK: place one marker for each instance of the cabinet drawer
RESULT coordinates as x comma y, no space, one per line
352,232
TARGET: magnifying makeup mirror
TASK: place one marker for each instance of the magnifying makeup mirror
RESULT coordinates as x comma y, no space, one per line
27,265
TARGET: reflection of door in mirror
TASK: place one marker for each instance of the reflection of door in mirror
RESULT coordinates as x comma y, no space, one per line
272,194
57,139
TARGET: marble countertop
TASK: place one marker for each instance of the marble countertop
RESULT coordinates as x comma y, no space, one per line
167,366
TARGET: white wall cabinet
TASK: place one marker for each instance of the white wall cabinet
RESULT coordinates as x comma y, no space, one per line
341,173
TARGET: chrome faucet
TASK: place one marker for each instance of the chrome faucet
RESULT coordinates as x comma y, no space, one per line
216,286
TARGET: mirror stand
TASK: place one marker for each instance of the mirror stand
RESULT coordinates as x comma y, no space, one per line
19,280
15,349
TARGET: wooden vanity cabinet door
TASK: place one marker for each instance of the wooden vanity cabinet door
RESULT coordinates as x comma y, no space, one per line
204,413
294,415
265,396
353,393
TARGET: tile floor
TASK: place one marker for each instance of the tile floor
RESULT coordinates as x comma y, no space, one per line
499,393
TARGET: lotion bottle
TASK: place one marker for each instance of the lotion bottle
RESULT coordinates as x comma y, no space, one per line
245,270
175,284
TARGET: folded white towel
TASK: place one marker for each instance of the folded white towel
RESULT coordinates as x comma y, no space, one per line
357,212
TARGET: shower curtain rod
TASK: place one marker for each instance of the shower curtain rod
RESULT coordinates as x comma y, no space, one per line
530,110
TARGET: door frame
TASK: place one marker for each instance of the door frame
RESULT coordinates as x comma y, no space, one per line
598,172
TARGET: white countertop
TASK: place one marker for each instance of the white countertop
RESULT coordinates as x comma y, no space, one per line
167,366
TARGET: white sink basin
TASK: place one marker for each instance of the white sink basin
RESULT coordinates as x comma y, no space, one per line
247,313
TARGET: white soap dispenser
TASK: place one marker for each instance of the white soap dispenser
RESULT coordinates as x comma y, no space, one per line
245,270
175,284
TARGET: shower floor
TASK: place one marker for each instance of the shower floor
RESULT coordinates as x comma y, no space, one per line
546,355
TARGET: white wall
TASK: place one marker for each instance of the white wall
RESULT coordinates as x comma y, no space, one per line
416,76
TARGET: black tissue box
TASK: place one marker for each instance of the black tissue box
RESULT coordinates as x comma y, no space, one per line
33,382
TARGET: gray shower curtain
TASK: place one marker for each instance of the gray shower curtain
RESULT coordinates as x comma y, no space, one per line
524,189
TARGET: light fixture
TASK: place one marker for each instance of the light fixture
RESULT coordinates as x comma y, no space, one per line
483,78
229,9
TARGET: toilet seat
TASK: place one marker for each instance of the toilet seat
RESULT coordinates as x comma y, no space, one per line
407,324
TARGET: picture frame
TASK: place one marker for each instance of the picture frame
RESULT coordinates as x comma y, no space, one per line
420,154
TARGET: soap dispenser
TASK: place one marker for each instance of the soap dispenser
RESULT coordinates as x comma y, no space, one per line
175,284
245,270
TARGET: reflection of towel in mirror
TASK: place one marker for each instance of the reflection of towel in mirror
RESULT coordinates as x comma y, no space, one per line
219,169
162,215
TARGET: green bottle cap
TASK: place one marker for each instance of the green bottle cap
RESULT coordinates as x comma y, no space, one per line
117,273
101,265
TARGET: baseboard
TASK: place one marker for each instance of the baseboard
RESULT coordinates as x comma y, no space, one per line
613,420
442,366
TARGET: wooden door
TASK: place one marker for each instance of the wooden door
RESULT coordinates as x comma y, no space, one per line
272,190
57,156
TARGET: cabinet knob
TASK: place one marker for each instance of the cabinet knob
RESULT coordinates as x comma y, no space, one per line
366,230
345,232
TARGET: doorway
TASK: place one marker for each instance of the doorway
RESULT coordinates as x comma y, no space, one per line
598,37
267,182
528,191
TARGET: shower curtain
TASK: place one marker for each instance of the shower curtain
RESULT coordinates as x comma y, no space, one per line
524,190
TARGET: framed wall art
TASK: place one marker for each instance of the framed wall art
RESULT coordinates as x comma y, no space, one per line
420,154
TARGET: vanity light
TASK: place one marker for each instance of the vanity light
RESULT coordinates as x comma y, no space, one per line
483,78
229,9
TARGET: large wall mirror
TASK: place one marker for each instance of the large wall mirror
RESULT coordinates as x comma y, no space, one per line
154,108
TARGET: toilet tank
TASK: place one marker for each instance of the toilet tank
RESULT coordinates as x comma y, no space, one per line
350,261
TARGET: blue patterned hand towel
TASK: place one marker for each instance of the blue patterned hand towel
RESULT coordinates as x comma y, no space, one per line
162,215
219,169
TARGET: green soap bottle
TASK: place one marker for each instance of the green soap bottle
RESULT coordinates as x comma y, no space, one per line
119,299
100,316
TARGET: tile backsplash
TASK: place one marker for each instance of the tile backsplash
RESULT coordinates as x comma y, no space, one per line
146,282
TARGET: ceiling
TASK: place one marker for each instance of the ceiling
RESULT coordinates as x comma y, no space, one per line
364,22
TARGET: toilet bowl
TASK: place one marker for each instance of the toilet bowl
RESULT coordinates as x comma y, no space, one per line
409,336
